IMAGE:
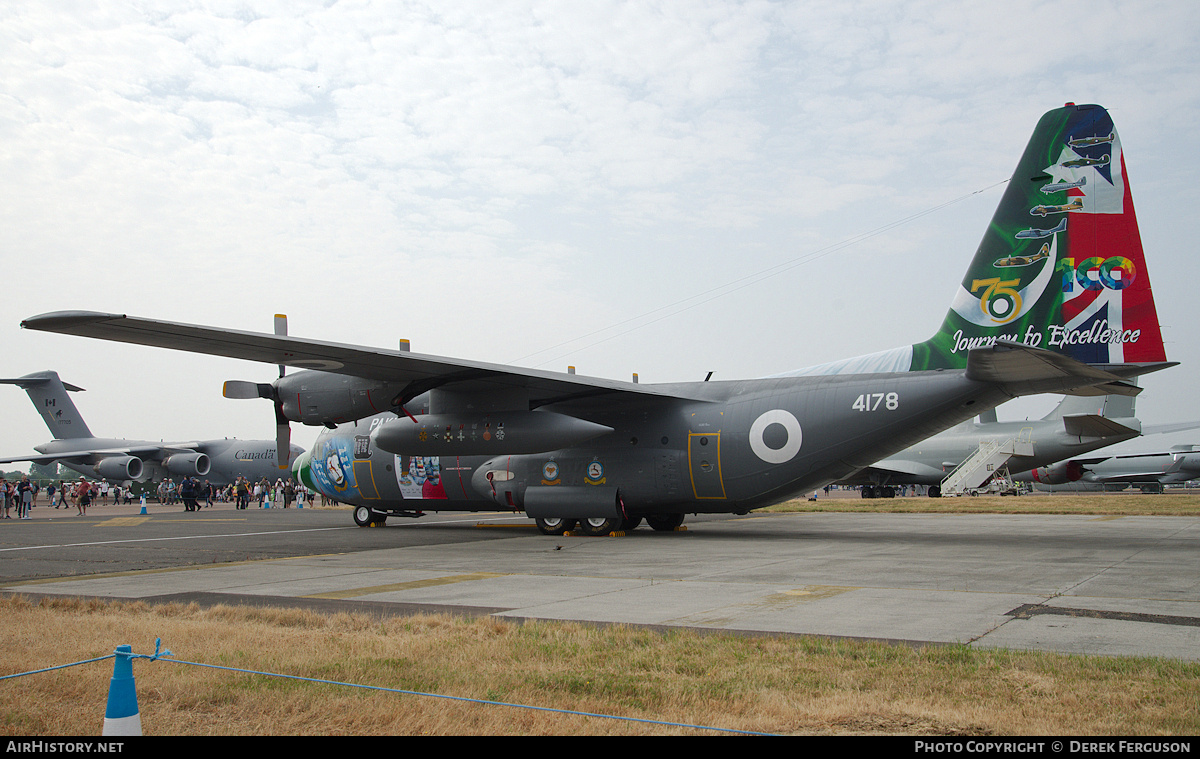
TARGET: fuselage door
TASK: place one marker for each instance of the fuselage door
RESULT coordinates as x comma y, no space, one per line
704,463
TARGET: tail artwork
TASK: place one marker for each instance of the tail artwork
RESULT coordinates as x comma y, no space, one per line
1077,284
49,396
1060,266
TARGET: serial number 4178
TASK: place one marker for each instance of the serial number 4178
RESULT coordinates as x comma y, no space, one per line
876,401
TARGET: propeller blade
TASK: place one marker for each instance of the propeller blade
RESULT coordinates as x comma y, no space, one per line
245,389
283,436
283,444
281,330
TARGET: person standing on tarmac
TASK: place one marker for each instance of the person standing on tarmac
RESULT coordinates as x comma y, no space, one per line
25,496
187,494
84,491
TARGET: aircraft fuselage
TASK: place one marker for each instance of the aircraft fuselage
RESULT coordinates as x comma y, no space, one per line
226,459
738,446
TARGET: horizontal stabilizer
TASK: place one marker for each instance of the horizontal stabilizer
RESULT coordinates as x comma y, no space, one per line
1110,389
1093,425
28,382
1024,370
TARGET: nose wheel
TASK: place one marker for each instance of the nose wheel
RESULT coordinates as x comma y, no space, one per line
365,516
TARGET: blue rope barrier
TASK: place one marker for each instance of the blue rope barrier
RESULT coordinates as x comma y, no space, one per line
159,655
60,666
118,652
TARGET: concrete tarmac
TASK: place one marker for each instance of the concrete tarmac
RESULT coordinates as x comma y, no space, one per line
1073,584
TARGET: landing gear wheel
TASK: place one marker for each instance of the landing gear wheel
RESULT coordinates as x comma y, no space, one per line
554,525
935,491
629,525
598,526
364,516
665,522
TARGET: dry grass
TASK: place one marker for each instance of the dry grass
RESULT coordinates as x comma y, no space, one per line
1173,504
762,684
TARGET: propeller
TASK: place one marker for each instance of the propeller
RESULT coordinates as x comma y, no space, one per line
245,389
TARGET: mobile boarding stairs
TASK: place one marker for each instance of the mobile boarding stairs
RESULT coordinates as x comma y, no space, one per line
990,459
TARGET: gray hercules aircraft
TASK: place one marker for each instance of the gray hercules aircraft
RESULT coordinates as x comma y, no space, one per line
409,433
1076,426
218,461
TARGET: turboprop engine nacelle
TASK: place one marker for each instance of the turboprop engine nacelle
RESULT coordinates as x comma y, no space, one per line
119,468
314,397
509,432
187,464
1058,474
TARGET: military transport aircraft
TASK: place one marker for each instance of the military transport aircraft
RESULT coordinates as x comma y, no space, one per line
218,461
409,433
1150,471
1076,426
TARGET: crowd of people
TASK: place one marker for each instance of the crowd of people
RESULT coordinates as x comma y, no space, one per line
22,495
190,491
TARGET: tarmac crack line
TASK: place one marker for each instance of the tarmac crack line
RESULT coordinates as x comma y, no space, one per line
1028,611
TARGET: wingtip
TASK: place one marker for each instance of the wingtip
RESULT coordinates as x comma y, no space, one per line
56,320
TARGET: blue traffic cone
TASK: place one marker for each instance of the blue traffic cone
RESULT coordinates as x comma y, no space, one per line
143,503
121,717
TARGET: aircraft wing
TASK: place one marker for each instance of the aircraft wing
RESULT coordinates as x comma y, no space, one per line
1181,469
357,361
48,458
903,467
89,455
1152,475
1163,429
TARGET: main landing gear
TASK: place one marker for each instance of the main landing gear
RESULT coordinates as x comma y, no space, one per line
599,526
365,516
878,491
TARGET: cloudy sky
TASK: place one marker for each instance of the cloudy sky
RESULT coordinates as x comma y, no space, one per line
668,188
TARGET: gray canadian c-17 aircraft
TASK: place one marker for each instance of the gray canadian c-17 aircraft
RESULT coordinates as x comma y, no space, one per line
409,433
118,460
1037,448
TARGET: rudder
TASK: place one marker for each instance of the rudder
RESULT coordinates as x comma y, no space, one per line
1061,264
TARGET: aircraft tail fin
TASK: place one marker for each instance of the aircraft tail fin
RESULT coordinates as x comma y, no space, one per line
49,396
1061,265
1060,268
